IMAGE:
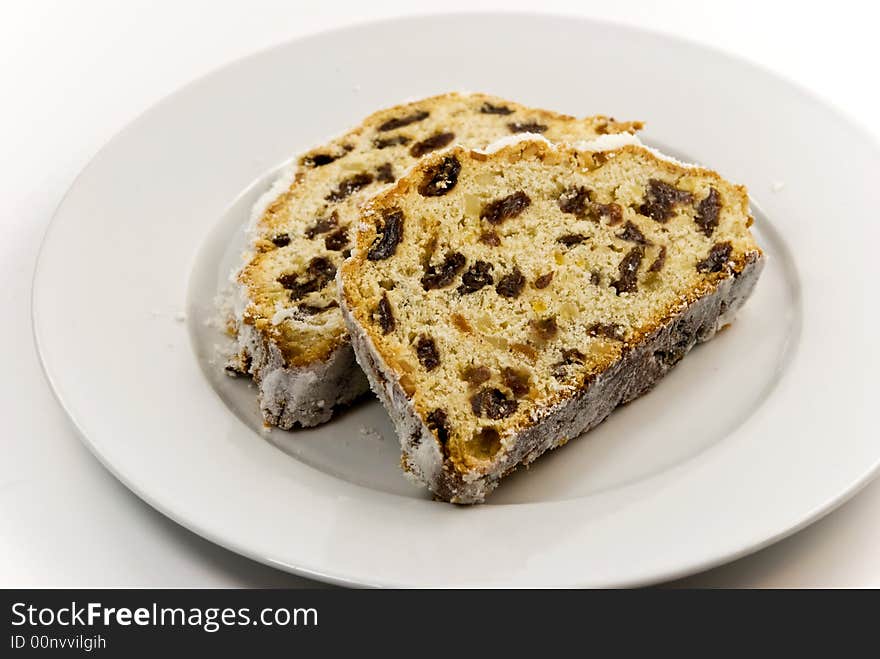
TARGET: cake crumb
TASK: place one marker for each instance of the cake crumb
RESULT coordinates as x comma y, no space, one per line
367,432
776,186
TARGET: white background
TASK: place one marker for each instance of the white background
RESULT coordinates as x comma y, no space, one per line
73,73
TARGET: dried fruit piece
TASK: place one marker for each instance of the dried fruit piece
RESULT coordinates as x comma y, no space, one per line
432,143
545,328
574,200
312,310
595,277
505,208
385,142
707,212
544,280
660,198
476,375
384,173
461,323
384,315
443,275
717,258
406,120
426,351
608,330
488,108
437,422
526,127
517,380
493,404
388,237
611,213
511,284
570,356
476,277
281,240
337,240
660,261
349,186
633,234
490,238
320,269
321,159
322,225
441,178
628,271
571,239
526,350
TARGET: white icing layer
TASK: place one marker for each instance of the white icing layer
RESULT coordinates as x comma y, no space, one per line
600,143
510,140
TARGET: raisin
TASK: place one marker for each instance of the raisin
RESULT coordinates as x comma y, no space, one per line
319,159
429,144
544,280
384,173
628,271
437,423
611,213
516,380
321,271
707,212
476,375
660,261
505,208
492,403
488,108
660,199
476,277
442,275
281,240
389,237
608,330
311,310
406,120
632,234
337,240
322,225
545,328
384,315
574,200
385,142
349,186
490,238
717,258
526,127
426,351
439,179
571,239
595,277
511,284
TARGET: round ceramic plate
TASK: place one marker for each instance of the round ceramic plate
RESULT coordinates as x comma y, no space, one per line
754,435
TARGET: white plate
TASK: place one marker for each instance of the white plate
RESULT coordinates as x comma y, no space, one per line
754,435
